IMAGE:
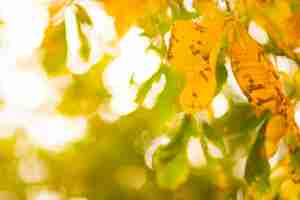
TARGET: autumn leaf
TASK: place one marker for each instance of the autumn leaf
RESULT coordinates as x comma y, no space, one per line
130,12
194,53
255,73
260,82
191,40
169,121
57,6
275,129
283,26
290,190
199,90
208,8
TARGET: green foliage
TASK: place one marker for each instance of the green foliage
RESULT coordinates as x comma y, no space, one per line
221,74
174,172
171,161
83,16
83,19
86,92
257,168
54,50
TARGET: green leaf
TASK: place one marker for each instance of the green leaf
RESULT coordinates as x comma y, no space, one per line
214,136
239,132
54,50
187,129
86,92
155,25
147,86
160,49
167,102
82,16
295,163
170,161
179,12
295,6
85,48
83,19
221,76
257,166
221,72
174,173
272,47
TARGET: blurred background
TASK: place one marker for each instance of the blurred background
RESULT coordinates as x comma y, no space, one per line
86,100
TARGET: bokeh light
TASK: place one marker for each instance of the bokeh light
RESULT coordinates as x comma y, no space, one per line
53,131
257,33
17,19
126,73
195,153
220,105
45,195
32,170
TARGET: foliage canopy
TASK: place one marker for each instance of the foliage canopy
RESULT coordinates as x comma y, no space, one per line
216,119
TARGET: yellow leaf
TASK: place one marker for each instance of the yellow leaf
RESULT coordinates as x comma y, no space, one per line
191,40
275,128
200,88
193,51
255,73
56,6
281,23
290,190
207,8
129,12
259,81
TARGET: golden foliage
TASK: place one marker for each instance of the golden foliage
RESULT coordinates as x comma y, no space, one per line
192,40
255,73
275,129
260,82
281,20
290,190
199,89
56,6
194,48
209,6
225,153
130,12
